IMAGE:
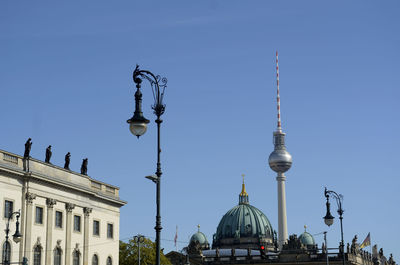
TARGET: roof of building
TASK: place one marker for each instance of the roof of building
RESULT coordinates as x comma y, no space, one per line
55,175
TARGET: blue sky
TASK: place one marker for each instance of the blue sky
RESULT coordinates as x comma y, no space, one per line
65,80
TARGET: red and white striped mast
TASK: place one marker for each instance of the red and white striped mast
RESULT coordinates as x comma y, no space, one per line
278,98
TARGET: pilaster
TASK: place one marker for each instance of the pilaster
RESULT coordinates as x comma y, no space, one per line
49,229
68,230
28,228
87,211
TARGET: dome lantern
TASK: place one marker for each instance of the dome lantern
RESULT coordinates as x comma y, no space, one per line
243,196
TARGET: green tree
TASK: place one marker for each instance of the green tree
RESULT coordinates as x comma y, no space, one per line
128,253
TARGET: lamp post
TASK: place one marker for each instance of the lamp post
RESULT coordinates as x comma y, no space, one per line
16,237
138,126
329,218
138,239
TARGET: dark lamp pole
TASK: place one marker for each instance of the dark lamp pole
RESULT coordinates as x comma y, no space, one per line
138,126
329,218
16,237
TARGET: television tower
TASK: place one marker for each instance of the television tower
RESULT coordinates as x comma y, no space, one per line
280,161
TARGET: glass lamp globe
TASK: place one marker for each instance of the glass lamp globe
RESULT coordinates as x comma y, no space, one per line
17,237
138,128
328,221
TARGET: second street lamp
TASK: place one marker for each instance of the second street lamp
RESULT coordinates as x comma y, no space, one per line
138,126
138,239
16,237
328,218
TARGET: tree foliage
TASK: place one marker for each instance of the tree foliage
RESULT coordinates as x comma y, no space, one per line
128,253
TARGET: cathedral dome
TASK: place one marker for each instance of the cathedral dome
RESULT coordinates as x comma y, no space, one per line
243,226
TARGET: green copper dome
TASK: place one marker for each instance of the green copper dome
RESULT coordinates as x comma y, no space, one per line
200,239
244,220
243,226
306,238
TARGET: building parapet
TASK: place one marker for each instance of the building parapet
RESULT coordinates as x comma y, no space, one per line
15,163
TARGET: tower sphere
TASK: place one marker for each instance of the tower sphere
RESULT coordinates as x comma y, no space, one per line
280,160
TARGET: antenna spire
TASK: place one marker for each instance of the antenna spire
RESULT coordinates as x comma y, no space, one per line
278,98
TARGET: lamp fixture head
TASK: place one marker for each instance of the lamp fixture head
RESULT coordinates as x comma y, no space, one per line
138,123
328,218
153,178
17,235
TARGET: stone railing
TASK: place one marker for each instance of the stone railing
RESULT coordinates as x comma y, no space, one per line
54,173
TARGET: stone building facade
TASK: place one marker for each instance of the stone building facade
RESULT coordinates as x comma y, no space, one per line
66,218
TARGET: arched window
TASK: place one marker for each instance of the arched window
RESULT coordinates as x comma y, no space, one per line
57,256
95,260
75,257
109,261
37,255
6,252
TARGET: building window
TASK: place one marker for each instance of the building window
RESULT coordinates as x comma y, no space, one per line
110,232
59,220
39,215
77,223
57,256
75,260
95,260
8,208
96,228
109,261
6,253
37,255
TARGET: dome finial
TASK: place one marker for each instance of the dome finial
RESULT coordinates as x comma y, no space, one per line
305,228
243,196
198,228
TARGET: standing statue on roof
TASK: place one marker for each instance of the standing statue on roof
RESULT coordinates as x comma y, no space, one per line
84,166
28,146
67,160
48,154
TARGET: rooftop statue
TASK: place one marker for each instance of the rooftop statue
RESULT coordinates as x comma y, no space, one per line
355,247
375,251
28,146
84,166
67,160
48,154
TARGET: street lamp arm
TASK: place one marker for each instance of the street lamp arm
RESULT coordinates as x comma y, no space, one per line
17,213
338,198
158,86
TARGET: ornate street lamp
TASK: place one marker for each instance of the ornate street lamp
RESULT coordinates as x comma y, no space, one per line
138,239
138,126
328,218
16,237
